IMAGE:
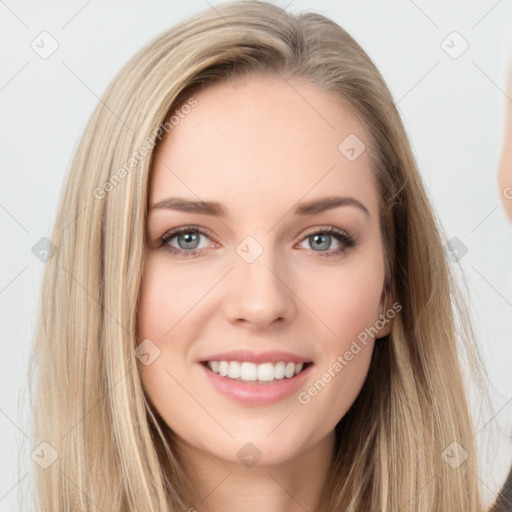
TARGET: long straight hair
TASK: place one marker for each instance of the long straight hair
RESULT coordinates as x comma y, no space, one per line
113,450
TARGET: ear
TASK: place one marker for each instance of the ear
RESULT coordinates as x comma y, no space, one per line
386,314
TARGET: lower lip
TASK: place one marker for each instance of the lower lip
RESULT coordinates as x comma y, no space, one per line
257,393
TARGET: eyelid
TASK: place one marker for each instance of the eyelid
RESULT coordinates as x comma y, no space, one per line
323,228
189,227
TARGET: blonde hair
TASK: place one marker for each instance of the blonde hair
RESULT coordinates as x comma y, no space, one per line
114,451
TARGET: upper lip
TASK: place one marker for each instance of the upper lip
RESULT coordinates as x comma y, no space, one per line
258,358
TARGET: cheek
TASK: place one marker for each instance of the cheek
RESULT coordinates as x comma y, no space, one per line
347,298
349,307
168,294
169,299
159,311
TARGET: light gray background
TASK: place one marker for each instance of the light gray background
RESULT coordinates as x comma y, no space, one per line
453,110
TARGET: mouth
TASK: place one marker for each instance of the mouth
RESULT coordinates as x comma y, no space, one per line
249,372
257,384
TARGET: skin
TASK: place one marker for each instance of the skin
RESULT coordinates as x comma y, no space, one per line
258,147
505,167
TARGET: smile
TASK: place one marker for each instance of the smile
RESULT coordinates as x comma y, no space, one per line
252,372
265,384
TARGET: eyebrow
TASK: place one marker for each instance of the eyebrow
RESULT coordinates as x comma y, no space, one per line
214,208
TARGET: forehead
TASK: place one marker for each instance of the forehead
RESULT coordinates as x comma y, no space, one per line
261,141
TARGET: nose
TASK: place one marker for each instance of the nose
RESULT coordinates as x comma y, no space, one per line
259,294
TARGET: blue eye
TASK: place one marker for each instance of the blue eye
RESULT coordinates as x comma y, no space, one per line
188,239
322,238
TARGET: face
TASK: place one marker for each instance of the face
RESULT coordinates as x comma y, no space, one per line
267,274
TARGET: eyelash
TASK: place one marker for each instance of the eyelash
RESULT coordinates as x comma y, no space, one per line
346,240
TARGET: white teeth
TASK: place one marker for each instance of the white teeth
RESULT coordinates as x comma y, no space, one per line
265,372
248,371
223,368
234,370
279,370
289,371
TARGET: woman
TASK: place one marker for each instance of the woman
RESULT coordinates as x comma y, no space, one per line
250,304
